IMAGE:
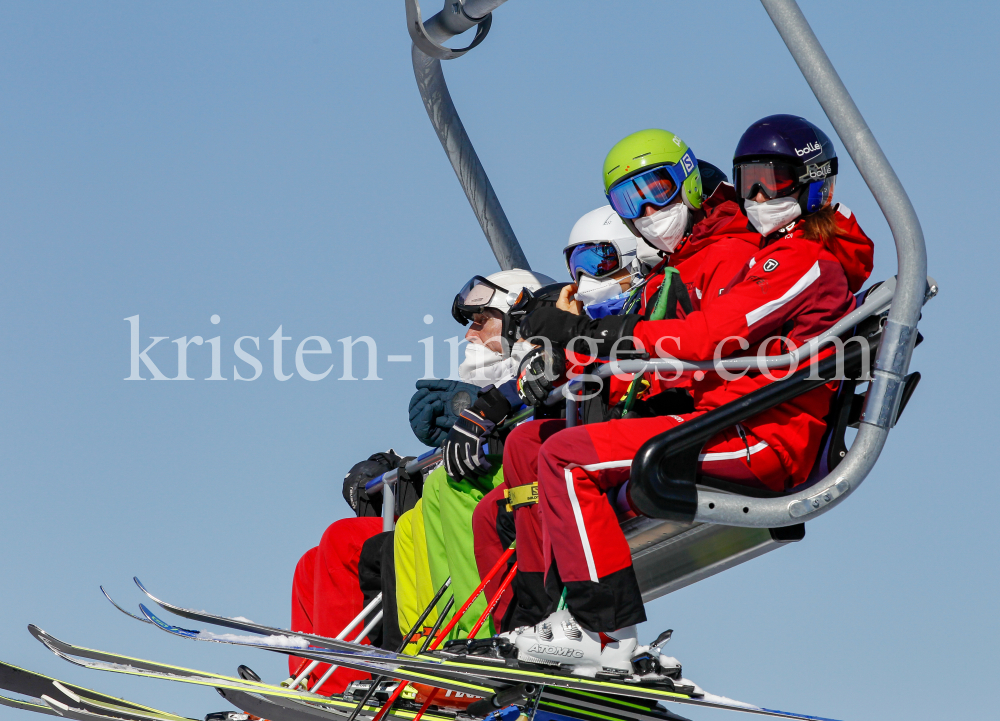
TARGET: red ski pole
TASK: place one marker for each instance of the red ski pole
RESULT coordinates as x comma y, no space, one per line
475,629
446,630
472,599
493,602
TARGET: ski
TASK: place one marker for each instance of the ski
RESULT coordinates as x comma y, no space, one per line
445,668
436,666
39,687
292,703
127,613
27,705
593,707
79,714
428,671
104,661
248,626
51,696
275,709
586,706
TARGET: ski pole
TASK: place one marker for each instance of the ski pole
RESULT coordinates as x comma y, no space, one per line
426,704
406,639
437,624
307,667
493,602
333,667
659,313
475,629
447,629
475,594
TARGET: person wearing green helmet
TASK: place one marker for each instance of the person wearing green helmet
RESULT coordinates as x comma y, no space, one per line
799,279
653,181
711,245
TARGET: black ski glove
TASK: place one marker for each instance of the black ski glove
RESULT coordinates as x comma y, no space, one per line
359,475
561,327
435,406
540,371
464,450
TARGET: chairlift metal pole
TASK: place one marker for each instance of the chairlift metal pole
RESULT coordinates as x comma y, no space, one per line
899,335
427,52
891,363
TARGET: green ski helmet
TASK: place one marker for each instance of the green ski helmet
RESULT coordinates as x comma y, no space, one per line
647,149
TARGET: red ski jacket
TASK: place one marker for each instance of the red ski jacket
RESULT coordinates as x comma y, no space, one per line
793,287
717,249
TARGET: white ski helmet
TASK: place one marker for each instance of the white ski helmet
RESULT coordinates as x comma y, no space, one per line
602,225
498,291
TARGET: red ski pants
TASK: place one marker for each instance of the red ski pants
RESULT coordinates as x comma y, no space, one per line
326,595
581,539
519,469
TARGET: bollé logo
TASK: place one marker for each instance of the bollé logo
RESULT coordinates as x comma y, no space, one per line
809,149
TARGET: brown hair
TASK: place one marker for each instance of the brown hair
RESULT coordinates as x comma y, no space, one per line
821,225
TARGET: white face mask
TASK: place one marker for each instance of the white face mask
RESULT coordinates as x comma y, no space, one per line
770,215
646,253
483,366
665,228
594,290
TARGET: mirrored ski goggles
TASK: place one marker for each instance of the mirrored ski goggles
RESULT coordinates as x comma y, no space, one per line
772,178
776,179
595,259
656,186
474,297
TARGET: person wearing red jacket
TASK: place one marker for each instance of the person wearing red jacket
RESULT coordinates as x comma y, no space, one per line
715,246
812,258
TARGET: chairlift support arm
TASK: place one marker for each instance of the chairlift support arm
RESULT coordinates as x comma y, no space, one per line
427,52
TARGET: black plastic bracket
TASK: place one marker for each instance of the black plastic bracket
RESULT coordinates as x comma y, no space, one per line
670,492
788,534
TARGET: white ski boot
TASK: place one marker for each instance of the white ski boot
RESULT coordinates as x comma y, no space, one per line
559,640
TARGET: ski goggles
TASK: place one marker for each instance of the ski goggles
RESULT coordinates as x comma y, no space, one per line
776,179
594,259
656,186
474,297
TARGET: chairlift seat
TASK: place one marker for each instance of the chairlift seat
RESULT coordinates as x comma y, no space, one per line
674,550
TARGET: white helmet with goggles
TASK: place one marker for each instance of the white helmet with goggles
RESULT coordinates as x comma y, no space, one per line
498,291
600,245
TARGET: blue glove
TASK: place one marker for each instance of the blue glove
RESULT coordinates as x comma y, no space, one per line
435,407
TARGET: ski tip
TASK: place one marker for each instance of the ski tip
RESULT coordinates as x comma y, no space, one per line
160,623
56,705
801,716
127,613
150,616
151,596
37,632
67,692
46,639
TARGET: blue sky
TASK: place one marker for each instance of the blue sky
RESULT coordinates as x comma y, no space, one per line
271,163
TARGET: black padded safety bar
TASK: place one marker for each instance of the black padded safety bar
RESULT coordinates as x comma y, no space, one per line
664,471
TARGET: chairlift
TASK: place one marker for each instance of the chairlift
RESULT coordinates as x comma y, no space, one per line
692,526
